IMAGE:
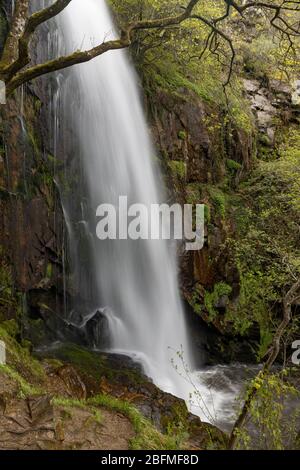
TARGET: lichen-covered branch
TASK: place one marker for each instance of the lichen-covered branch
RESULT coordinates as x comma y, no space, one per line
10,51
16,50
79,57
16,58
65,62
31,25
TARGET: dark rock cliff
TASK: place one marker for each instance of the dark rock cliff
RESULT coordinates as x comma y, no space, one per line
31,225
205,155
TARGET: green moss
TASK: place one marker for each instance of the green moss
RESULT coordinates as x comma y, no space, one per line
37,330
264,140
233,166
207,214
34,142
176,81
3,28
193,193
49,271
219,201
240,111
19,357
178,168
147,436
212,298
182,135
94,364
54,363
25,388
11,327
194,301
8,300
69,403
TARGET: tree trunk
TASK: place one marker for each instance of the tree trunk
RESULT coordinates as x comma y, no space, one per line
11,48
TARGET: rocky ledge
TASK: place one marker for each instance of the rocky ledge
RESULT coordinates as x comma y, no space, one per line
68,397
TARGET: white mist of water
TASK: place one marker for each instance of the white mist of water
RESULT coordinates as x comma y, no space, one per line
136,280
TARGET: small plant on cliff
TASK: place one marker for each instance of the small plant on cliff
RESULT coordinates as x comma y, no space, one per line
178,169
219,201
211,299
233,166
182,135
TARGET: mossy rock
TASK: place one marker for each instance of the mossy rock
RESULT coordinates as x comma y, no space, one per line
96,365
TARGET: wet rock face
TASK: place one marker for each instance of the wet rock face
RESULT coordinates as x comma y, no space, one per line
31,226
271,104
184,130
46,323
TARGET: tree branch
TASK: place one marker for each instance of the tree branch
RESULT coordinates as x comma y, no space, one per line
10,51
32,23
15,73
65,62
79,57
216,30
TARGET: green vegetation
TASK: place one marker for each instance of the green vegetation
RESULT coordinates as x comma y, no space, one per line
93,364
233,166
211,299
28,374
178,169
8,299
276,430
195,301
25,388
19,357
69,403
171,60
218,200
267,248
182,135
147,437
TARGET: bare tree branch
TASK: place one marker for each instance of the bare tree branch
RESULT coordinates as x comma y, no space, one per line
218,31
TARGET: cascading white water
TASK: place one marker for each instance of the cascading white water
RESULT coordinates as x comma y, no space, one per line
135,280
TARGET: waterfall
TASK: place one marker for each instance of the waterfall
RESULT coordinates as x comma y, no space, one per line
132,283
